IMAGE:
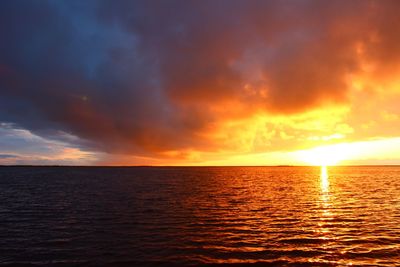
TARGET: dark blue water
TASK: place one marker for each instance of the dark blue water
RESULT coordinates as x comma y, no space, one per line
278,216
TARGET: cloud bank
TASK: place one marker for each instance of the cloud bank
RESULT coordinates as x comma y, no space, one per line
166,78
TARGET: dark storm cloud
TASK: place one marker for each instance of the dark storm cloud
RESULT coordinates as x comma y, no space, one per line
144,77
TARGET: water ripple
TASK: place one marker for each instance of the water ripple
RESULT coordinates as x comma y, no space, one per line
258,216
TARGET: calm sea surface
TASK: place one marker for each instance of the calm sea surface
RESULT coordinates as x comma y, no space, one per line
144,216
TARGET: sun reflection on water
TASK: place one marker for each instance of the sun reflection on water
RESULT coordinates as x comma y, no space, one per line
325,201
324,179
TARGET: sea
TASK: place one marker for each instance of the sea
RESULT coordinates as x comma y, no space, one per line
200,216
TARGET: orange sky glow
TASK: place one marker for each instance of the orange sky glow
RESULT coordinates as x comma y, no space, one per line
277,83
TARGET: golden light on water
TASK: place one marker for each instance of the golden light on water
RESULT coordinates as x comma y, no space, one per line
325,192
324,179
325,204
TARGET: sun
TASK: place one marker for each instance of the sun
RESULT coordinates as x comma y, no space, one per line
326,155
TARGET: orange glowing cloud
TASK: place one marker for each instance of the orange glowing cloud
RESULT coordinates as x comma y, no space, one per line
203,82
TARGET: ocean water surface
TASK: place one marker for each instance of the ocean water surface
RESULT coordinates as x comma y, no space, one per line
199,216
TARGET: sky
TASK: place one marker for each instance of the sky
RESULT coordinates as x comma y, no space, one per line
210,82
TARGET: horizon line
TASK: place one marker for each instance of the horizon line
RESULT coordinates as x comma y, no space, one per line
191,166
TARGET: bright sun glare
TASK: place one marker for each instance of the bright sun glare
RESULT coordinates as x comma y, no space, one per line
326,155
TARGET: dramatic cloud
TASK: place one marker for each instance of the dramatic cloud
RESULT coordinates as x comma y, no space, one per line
174,79
19,146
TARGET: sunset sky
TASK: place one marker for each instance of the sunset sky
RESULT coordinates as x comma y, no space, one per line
208,82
